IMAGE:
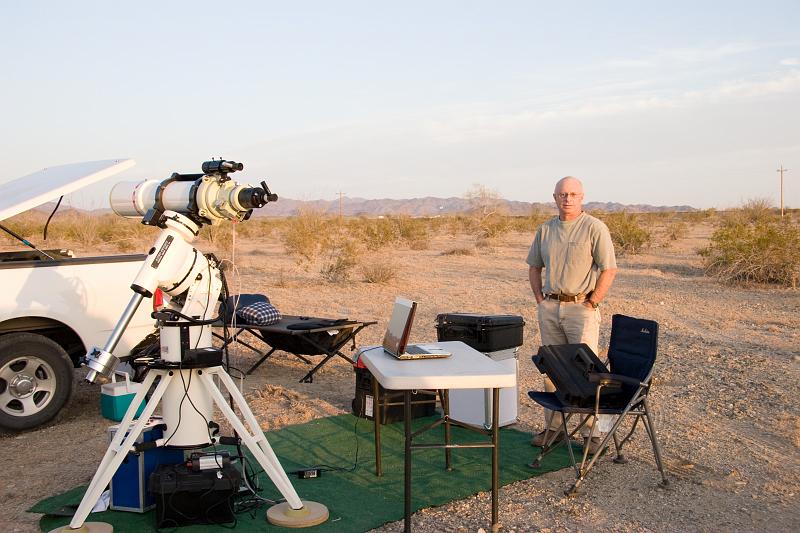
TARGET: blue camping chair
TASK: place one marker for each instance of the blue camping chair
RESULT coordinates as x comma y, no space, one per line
622,393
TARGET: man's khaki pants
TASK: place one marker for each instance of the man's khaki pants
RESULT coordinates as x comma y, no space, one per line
567,323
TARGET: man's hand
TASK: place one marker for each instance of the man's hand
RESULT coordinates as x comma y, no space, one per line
535,278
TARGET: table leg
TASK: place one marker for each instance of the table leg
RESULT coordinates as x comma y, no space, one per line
495,455
444,396
407,425
376,413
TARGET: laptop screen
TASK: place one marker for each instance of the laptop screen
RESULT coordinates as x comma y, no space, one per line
399,329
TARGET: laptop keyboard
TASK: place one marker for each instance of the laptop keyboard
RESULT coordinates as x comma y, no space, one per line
415,350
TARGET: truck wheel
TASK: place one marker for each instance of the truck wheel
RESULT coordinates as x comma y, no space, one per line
35,380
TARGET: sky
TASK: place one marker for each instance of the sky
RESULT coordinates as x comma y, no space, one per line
663,103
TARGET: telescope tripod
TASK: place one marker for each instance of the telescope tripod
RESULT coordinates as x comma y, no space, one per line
293,513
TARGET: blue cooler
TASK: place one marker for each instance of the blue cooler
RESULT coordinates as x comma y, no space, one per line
129,484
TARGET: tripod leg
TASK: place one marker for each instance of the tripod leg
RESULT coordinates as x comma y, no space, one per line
254,438
120,445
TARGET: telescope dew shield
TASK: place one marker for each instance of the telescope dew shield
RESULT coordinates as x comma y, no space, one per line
133,199
208,199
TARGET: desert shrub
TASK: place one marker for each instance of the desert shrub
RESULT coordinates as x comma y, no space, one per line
219,236
459,251
751,212
379,271
27,225
306,235
84,230
413,231
455,224
627,232
676,230
754,245
375,233
698,216
340,257
487,219
531,222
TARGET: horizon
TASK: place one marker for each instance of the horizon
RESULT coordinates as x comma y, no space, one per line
679,104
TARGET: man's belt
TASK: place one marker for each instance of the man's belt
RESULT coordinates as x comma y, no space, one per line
563,297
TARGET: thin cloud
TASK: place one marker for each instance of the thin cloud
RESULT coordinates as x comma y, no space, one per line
692,55
449,127
790,62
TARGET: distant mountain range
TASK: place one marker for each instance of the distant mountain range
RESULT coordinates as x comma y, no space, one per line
417,207
431,206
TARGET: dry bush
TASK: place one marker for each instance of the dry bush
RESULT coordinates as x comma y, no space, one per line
413,231
379,271
487,217
340,259
459,251
627,232
306,235
753,244
375,233
531,222
219,236
455,224
27,225
695,217
677,230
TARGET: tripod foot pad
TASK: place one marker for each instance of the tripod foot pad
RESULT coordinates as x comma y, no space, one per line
87,527
311,514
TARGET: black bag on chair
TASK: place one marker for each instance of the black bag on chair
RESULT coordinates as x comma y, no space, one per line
568,366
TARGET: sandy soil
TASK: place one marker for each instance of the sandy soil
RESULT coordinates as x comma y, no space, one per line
725,394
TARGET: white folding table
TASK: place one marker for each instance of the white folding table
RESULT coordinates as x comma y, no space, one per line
466,368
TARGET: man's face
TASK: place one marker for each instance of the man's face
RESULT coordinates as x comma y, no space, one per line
569,199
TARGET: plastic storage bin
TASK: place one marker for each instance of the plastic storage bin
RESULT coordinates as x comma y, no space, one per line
474,406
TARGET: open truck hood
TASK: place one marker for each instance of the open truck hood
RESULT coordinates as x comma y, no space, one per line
49,183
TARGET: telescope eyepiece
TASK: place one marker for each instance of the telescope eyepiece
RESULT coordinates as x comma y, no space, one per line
221,167
254,197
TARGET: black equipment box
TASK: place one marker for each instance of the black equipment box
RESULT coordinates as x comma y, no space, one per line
184,497
422,403
568,366
485,333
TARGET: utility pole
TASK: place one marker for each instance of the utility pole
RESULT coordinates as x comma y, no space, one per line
340,206
781,171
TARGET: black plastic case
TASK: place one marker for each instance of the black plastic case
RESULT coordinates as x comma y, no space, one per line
568,366
185,497
485,333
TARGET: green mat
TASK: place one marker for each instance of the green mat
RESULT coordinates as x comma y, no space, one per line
357,500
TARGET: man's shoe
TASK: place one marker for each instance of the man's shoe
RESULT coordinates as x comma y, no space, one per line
538,439
593,444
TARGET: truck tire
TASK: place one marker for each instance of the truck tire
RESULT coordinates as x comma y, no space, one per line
36,377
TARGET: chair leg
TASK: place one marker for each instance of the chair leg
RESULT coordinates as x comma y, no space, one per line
651,430
619,459
550,443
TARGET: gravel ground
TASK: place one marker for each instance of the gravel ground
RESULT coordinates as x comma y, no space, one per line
725,394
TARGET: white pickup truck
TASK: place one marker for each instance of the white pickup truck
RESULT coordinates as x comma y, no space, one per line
53,310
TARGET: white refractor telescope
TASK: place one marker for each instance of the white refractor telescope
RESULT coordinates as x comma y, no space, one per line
189,374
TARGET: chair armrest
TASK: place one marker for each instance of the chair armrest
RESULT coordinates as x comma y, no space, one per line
613,379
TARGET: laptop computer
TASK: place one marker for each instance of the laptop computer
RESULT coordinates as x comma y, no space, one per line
395,341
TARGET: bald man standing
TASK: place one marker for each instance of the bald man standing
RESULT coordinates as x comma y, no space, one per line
576,254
